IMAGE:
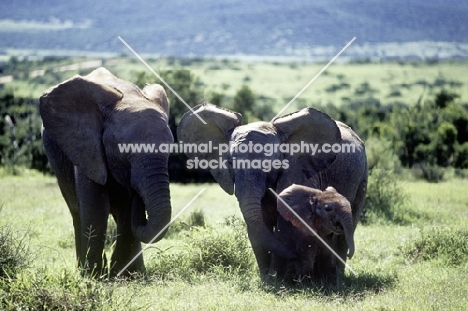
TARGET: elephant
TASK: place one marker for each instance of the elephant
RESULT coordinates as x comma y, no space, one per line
326,212
276,169
85,119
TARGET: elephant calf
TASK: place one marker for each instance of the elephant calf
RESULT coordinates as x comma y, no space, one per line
84,121
326,212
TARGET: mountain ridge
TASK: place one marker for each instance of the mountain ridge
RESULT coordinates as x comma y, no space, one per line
186,28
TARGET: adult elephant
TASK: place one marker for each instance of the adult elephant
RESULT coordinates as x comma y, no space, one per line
345,171
85,119
303,209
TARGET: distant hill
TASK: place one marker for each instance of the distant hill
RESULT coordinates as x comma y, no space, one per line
290,28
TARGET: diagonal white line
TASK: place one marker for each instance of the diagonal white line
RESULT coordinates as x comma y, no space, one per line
160,78
313,231
314,78
162,230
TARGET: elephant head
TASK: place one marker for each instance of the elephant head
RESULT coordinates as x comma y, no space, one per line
249,172
89,119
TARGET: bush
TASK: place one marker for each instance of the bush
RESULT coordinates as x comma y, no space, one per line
450,246
24,289
461,161
27,289
429,172
195,219
432,132
385,197
380,155
13,252
228,250
206,251
46,290
20,134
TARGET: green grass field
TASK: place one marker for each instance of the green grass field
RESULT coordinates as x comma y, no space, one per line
421,266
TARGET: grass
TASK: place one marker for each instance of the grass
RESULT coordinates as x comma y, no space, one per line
14,254
207,263
449,246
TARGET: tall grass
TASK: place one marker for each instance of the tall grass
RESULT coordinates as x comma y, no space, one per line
14,251
45,289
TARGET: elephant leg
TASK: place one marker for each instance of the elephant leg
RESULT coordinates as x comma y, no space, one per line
283,268
127,247
77,233
93,203
270,215
262,256
64,171
341,248
358,202
325,267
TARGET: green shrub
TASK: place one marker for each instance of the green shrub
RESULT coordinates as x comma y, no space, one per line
27,289
461,159
14,252
20,134
206,251
380,154
429,172
461,173
226,249
448,245
385,197
47,290
197,218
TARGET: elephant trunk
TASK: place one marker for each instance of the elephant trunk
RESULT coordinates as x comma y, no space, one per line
258,232
151,181
345,218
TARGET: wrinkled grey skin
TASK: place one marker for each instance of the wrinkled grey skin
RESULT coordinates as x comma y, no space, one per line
329,215
346,172
84,119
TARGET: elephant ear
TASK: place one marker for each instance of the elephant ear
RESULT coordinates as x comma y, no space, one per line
71,113
219,125
301,200
156,94
331,189
305,127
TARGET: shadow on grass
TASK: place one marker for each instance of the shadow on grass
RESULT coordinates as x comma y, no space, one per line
366,283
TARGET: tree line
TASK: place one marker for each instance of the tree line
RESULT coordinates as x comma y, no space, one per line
431,133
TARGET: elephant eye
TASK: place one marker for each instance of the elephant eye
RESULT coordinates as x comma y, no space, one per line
312,201
328,208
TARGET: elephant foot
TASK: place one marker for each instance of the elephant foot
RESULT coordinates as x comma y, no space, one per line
96,271
129,272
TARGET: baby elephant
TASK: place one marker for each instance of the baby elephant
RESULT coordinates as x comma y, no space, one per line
326,212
